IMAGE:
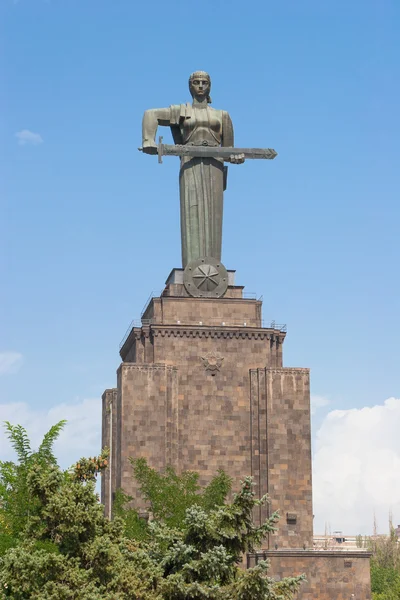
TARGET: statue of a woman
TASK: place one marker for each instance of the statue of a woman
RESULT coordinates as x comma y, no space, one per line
202,181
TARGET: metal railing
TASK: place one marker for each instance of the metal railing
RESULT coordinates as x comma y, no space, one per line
134,323
152,295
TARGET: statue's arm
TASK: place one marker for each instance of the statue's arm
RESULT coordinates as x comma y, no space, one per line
152,118
227,130
228,139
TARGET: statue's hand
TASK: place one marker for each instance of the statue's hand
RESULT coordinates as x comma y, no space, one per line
149,147
236,159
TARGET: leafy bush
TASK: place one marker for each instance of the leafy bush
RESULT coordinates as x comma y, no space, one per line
61,547
385,566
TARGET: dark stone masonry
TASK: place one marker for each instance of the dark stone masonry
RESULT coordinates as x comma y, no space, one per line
202,386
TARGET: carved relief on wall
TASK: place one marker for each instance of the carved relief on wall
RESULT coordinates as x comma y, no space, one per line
212,362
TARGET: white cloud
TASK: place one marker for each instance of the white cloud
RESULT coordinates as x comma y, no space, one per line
80,437
28,137
10,362
318,402
356,467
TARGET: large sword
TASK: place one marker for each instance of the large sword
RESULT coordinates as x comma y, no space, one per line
206,151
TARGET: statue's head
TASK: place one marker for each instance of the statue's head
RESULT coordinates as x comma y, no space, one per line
200,85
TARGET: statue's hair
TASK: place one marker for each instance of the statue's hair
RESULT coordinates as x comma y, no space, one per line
202,74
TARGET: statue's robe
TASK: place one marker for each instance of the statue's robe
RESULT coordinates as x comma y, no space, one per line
201,180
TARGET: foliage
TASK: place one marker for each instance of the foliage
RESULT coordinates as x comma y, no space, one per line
359,541
201,559
385,550
385,566
87,469
385,582
15,500
135,527
65,547
68,550
169,495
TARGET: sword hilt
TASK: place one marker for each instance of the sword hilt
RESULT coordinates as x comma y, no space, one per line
160,149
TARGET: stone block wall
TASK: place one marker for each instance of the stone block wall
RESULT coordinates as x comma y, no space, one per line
331,575
146,419
209,311
202,397
281,450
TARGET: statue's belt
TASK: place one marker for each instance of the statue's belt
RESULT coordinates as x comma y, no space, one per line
203,143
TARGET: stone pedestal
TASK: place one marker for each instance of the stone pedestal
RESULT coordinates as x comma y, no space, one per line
201,387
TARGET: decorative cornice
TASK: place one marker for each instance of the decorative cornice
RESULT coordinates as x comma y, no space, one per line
285,370
146,367
134,335
224,332
109,392
206,331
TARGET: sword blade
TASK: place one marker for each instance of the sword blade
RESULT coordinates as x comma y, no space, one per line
216,152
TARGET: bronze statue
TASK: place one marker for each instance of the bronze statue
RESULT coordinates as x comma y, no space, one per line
201,134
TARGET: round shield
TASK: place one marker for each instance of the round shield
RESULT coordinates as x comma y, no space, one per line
205,278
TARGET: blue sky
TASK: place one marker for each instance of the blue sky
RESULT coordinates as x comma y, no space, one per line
90,226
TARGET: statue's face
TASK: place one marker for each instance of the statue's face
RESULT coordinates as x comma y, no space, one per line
200,87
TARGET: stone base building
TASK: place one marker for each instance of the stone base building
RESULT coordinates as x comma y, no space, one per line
202,386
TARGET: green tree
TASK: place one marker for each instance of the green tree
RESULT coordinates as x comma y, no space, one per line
135,526
65,548
385,566
201,560
385,582
169,494
16,504
385,550
68,550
